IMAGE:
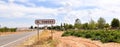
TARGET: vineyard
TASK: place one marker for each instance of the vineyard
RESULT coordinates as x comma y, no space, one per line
104,36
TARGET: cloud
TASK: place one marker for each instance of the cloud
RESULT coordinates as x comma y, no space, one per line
103,8
16,11
41,0
69,10
14,24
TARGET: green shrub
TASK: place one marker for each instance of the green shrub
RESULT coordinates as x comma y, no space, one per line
102,35
12,29
5,29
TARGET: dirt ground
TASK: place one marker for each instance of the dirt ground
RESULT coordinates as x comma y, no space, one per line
71,41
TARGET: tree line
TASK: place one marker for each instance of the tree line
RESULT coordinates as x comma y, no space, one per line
100,24
5,29
91,25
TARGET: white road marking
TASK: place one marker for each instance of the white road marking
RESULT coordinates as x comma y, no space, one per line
16,40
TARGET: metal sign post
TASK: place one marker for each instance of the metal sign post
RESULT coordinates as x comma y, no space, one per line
38,32
45,22
51,32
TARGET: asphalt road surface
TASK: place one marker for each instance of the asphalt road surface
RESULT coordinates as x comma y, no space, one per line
11,40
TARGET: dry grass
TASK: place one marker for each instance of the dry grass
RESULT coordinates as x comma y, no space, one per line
17,32
8,33
44,40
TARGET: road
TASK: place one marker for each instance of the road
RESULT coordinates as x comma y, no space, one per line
13,39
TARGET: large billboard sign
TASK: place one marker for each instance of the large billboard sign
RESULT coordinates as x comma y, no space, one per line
44,21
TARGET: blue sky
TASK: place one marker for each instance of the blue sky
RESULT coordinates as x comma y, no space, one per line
22,13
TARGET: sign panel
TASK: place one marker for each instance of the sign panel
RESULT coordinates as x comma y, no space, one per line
44,21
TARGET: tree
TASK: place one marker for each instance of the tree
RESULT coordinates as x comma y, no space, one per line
85,26
92,24
61,25
77,24
107,26
115,23
5,29
71,26
68,26
35,27
101,23
57,27
31,27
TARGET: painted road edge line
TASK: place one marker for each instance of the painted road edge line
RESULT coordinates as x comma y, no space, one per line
16,40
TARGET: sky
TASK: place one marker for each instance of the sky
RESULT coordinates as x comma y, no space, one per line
22,13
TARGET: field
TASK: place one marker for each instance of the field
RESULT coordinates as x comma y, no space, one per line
104,36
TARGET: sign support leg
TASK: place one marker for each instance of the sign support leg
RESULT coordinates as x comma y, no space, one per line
52,32
38,32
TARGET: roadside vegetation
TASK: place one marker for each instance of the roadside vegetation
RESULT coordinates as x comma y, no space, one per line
95,30
102,35
5,29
